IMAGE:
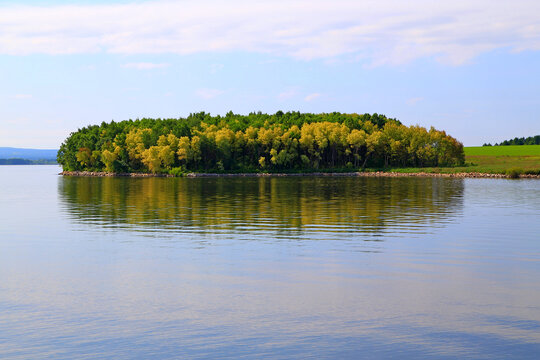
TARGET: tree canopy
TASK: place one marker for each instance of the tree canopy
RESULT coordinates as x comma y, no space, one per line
256,142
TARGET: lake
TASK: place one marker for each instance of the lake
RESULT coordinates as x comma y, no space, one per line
309,267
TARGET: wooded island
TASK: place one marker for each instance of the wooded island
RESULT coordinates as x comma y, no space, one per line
256,142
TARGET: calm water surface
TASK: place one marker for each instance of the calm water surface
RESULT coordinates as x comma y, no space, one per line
114,268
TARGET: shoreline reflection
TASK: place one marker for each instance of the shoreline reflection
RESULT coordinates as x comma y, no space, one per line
321,207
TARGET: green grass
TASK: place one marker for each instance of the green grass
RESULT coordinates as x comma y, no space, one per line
510,150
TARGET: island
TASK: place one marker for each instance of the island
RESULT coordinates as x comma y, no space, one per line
291,142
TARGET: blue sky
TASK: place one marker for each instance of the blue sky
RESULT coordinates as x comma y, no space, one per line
470,68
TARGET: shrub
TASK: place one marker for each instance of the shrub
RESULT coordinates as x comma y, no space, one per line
513,173
177,171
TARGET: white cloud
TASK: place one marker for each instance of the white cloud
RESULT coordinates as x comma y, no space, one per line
208,93
144,66
379,31
311,97
21,96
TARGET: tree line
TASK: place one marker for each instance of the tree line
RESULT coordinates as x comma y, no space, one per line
256,142
18,161
531,140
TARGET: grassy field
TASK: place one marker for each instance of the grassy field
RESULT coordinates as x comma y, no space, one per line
513,159
511,150
502,159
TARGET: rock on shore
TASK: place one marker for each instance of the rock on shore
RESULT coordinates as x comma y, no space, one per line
359,174
102,173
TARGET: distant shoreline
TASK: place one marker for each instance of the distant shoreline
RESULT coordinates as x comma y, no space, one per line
20,161
320,174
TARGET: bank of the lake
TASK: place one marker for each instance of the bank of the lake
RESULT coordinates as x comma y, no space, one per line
334,174
502,159
513,161
480,162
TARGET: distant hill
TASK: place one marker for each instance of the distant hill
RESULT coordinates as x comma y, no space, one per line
27,154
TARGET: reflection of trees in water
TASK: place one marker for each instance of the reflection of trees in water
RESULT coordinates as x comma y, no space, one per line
284,204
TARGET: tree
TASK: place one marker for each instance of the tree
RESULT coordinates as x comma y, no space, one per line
108,158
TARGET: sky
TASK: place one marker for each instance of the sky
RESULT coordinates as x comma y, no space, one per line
471,68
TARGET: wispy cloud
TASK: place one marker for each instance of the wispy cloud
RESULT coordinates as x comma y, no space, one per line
208,93
21,96
287,94
312,97
381,32
214,68
145,66
413,101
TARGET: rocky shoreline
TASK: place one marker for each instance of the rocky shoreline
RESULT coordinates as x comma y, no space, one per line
346,174
109,174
